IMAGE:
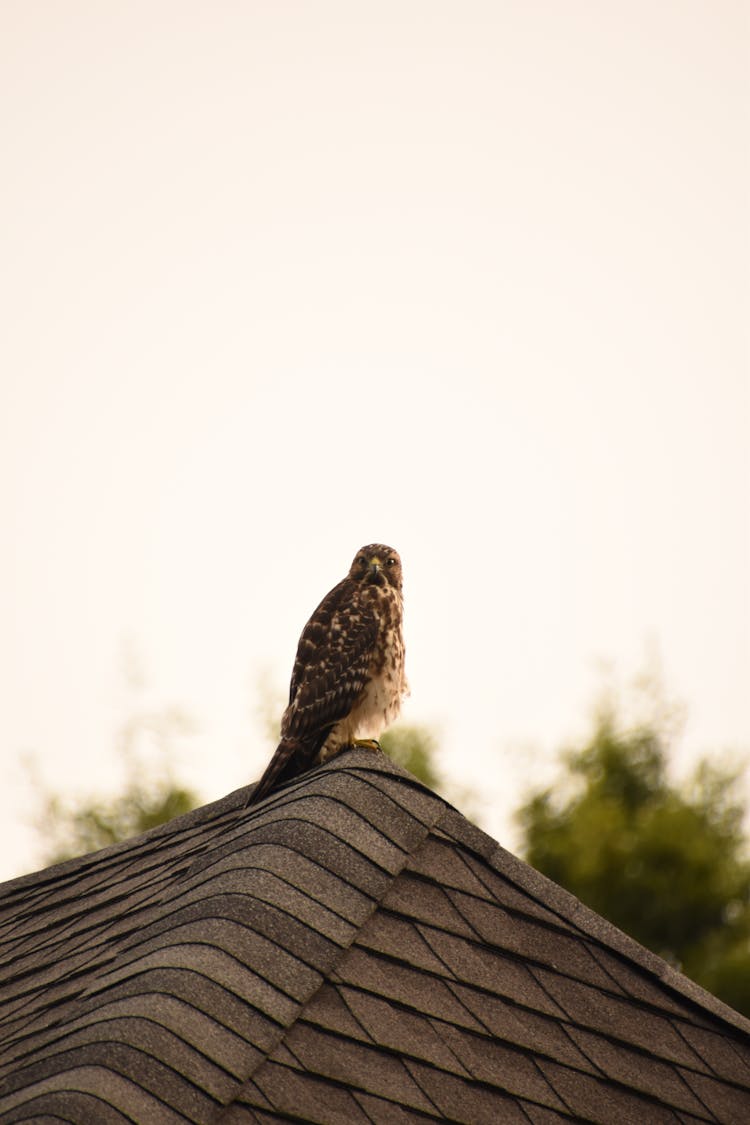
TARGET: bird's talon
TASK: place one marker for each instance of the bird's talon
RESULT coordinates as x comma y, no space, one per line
367,743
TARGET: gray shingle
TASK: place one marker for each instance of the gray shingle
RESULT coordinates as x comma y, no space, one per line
401,939
356,1065
601,1100
617,1017
406,985
383,1112
542,1036
461,1100
350,950
489,971
402,1030
643,1073
324,1103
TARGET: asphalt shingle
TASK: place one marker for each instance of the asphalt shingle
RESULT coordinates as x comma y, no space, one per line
350,950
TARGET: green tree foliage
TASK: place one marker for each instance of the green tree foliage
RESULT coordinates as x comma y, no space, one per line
151,794
666,863
95,822
414,748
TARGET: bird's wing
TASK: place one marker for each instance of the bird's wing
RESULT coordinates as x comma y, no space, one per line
332,663
330,670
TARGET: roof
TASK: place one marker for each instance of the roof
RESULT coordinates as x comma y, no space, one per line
351,950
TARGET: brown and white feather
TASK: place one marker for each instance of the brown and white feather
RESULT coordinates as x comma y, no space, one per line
348,678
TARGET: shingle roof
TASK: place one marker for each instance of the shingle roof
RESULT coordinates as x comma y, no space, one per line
352,950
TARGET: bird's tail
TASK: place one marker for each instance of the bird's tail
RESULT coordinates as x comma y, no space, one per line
291,758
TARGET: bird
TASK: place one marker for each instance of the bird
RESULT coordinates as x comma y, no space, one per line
348,679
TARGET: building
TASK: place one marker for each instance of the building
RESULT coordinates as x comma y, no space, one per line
352,950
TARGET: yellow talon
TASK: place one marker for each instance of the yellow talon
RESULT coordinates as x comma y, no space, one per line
367,743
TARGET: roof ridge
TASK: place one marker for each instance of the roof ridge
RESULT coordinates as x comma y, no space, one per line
198,816
456,825
357,943
427,827
586,920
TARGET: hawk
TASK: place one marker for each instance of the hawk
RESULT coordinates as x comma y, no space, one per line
348,678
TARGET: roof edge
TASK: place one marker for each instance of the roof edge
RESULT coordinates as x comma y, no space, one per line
577,913
229,803
454,823
194,818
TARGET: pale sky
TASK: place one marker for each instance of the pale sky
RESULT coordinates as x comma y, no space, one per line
281,279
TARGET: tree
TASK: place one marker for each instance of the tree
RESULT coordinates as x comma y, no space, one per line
666,863
414,748
151,794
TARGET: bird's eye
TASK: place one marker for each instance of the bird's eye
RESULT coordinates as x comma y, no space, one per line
361,560
390,562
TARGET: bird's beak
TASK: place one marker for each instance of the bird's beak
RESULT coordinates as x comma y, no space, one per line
375,565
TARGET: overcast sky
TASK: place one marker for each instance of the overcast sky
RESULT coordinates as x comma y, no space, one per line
281,279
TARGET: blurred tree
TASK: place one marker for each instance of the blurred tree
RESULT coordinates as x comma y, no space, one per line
414,748
151,795
666,863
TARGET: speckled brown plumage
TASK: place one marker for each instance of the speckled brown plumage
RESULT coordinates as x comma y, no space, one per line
348,678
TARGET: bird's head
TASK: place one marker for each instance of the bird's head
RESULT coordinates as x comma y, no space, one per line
377,565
